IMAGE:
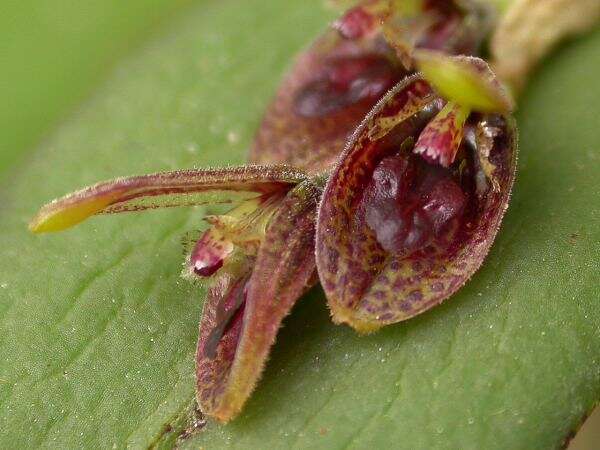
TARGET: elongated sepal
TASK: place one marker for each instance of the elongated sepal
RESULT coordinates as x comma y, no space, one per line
230,358
389,248
166,189
465,80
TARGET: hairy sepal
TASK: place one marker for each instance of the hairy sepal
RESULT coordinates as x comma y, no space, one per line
165,189
283,270
367,287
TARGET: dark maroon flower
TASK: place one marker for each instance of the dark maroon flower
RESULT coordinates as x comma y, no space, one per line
414,203
409,210
342,75
258,258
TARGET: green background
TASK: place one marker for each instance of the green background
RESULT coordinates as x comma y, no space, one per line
53,52
97,330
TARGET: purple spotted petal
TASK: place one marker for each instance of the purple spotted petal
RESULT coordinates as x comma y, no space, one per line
398,234
242,316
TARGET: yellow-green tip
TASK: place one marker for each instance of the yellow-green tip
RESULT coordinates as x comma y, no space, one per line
65,213
466,80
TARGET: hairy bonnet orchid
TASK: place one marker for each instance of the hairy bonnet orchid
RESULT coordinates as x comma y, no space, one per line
386,185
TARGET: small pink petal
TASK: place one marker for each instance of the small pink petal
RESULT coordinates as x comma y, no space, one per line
209,253
440,140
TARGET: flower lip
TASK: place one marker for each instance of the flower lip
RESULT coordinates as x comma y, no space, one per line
209,253
202,269
407,204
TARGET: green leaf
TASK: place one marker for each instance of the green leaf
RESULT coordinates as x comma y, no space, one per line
53,53
97,330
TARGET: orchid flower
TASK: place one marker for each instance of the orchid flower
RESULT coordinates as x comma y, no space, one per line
413,205
392,212
345,72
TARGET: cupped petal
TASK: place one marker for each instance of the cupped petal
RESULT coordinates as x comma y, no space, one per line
231,356
166,189
396,235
